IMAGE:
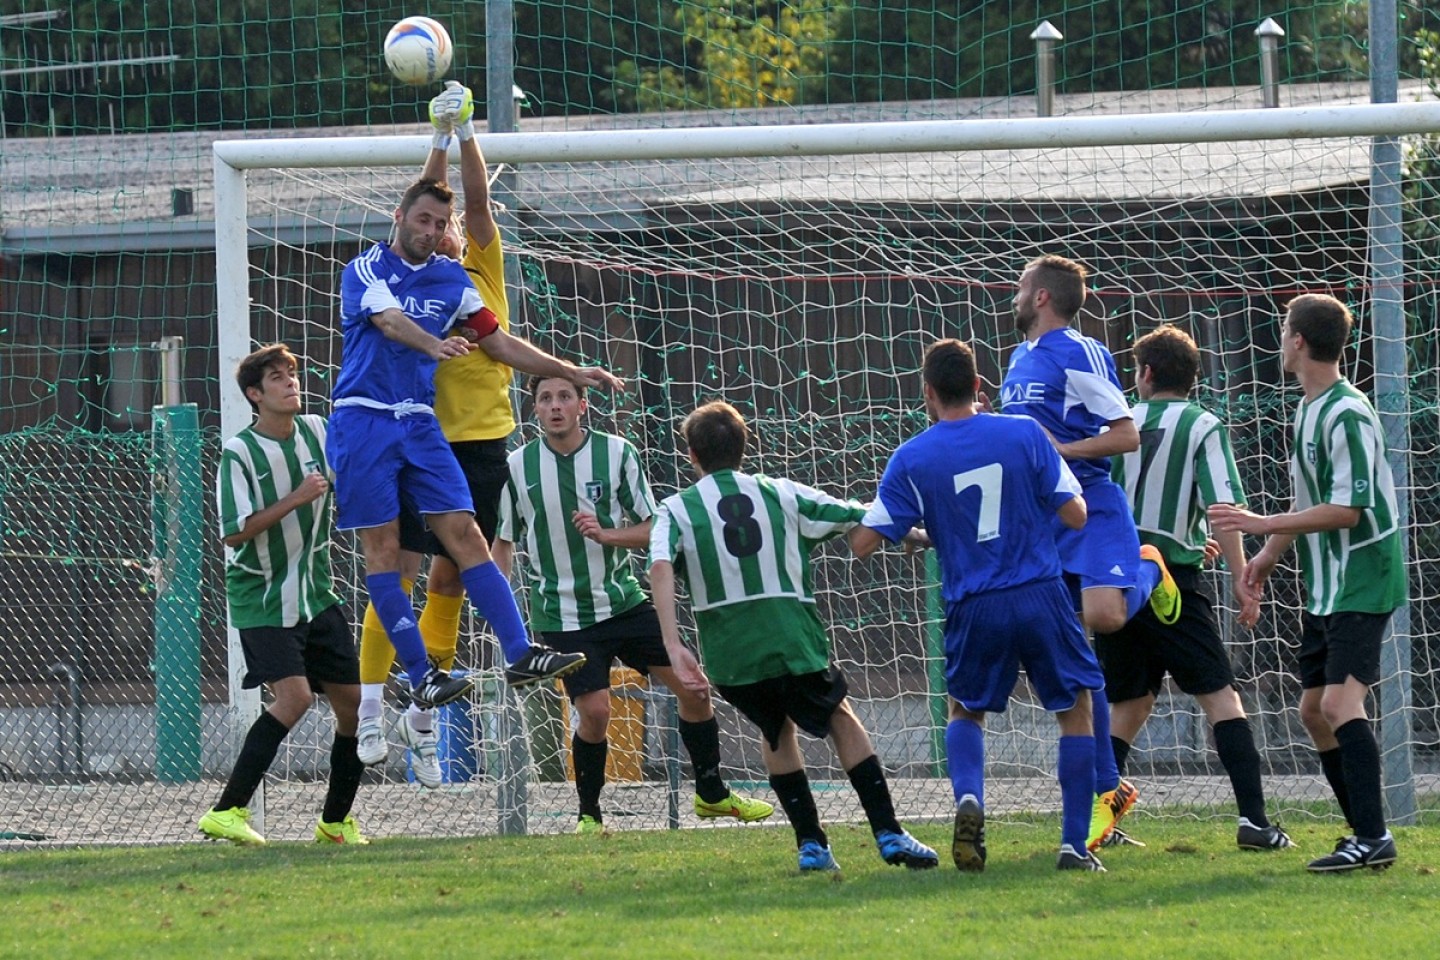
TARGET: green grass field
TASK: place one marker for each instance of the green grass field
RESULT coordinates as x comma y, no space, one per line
730,893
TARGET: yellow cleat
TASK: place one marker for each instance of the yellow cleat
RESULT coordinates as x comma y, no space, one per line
347,831
232,825
1110,806
1165,598
589,825
744,809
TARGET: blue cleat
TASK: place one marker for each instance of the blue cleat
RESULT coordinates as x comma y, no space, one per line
816,857
901,848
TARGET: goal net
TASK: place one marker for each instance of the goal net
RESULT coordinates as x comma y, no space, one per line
799,272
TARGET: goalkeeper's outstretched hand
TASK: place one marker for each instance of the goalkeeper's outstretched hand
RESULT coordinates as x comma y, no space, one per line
452,111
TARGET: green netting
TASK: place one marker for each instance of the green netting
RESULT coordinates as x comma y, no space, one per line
801,289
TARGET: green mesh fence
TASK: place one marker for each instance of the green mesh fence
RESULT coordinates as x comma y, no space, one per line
803,290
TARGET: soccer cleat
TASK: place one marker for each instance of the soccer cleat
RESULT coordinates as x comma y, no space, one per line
968,846
589,824
901,848
816,857
1165,598
439,688
372,748
1119,838
1070,860
1353,853
1110,806
232,825
542,663
744,809
424,754
1250,837
347,831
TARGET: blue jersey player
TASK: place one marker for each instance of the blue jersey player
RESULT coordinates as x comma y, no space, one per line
401,307
1067,383
989,490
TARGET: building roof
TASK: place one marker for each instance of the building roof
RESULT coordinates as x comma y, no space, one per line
108,193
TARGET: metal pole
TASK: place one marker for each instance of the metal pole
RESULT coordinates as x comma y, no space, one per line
1387,313
512,793
1045,37
1269,33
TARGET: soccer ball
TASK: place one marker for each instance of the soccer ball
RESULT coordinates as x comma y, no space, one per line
418,50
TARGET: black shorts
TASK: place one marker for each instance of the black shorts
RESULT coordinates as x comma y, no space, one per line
632,636
1340,645
484,464
320,650
1137,656
809,699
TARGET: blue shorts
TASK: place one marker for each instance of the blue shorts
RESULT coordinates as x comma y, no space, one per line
1106,551
379,458
990,635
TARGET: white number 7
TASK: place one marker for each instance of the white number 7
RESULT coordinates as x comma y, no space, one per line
989,479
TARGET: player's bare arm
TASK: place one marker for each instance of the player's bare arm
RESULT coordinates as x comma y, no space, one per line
312,488
662,591
1073,513
634,537
1121,437
525,357
502,551
1316,519
400,328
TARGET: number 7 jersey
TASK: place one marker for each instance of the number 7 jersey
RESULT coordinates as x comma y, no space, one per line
986,488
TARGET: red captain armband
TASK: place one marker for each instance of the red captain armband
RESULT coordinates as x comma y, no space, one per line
478,325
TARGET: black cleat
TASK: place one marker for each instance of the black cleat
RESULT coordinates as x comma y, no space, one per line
968,846
542,663
439,689
1353,853
1119,838
1250,837
1070,860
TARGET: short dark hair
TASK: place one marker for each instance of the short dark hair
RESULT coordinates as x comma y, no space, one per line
950,371
427,187
1172,356
1323,321
533,384
251,371
716,435
1065,279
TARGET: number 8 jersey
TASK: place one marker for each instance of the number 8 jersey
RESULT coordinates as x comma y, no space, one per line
743,545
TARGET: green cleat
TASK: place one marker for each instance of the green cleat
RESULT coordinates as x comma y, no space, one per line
744,809
347,832
1110,807
232,825
590,825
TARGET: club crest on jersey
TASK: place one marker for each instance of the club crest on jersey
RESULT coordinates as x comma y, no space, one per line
1312,453
595,490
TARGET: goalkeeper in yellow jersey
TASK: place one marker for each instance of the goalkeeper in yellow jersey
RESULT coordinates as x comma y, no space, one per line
473,406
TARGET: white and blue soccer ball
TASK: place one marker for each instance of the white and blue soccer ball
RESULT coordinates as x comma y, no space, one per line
418,50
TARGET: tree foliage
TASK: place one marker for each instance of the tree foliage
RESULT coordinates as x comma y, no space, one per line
744,54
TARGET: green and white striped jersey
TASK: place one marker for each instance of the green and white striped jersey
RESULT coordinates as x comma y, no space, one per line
1184,465
281,577
743,545
575,582
1339,458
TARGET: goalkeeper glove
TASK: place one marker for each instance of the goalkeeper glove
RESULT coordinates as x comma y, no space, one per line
452,111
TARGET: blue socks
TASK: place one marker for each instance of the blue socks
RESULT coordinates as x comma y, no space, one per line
1147,577
397,616
1076,773
490,595
1107,771
965,755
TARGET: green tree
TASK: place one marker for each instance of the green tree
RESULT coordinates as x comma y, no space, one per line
745,53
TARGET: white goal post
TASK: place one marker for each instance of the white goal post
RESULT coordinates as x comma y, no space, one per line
1017,141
